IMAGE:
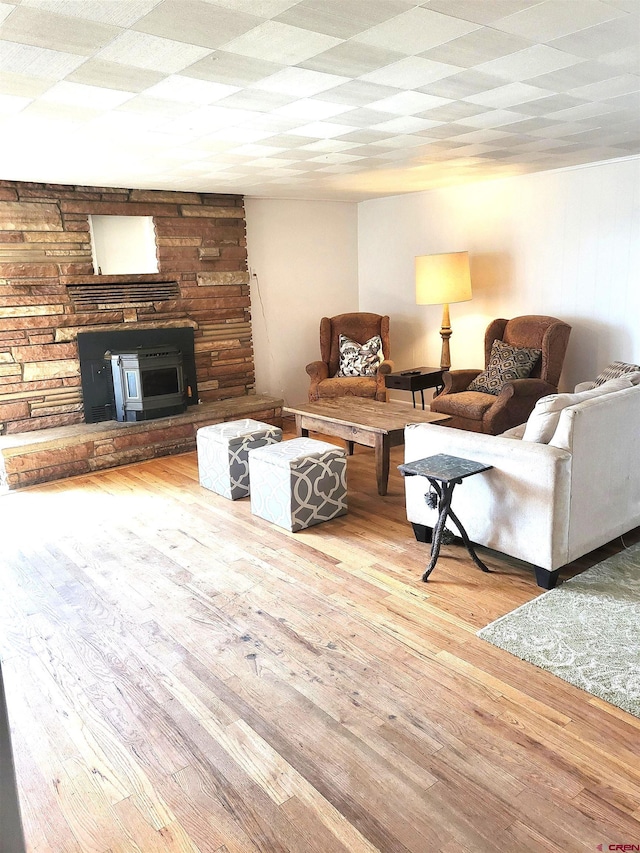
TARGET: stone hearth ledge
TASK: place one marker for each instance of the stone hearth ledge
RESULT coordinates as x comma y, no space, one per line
40,456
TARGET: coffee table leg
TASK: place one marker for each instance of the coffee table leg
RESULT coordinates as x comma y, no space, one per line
382,451
300,430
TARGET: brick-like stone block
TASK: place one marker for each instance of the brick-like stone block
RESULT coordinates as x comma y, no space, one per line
51,369
211,279
29,216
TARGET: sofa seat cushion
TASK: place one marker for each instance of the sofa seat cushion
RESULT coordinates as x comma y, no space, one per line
348,386
464,404
545,416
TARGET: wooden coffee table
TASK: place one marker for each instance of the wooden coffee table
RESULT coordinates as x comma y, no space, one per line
362,421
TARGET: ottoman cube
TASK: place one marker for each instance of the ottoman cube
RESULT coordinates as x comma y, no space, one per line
298,483
222,454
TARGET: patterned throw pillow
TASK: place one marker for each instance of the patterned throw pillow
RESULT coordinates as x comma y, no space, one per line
506,363
616,369
360,359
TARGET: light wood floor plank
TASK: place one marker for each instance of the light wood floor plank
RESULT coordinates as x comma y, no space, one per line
183,677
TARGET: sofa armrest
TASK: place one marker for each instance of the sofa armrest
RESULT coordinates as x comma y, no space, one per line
520,507
386,367
457,380
515,403
318,370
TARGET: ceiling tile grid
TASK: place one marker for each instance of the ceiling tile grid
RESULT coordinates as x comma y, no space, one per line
345,99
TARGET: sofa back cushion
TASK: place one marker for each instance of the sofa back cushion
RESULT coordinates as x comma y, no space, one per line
544,418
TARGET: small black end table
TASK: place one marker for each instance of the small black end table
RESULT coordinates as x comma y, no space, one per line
416,379
443,473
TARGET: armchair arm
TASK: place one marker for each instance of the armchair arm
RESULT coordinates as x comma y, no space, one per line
384,369
317,370
457,380
515,403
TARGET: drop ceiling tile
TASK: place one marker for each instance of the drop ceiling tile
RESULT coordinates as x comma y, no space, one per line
196,22
407,141
58,113
273,39
122,13
351,59
363,117
583,112
22,85
156,54
591,43
188,90
79,95
300,82
445,131
624,60
112,75
494,118
415,31
231,68
404,124
476,47
407,103
342,20
37,61
462,85
57,32
262,8
548,104
566,79
551,20
358,93
623,85
453,111
162,110
507,96
286,140
255,99
410,73
5,10
366,137
309,109
11,104
322,130
328,145
530,125
627,102
532,61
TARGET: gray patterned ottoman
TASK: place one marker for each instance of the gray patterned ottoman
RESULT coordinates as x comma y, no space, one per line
222,454
298,483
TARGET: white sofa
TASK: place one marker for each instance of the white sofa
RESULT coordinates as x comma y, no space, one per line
546,504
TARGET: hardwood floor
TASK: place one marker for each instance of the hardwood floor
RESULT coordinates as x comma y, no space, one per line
182,676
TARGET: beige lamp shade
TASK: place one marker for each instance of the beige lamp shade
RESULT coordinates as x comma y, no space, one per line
441,279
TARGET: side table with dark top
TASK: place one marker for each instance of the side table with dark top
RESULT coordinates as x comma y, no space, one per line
416,379
444,473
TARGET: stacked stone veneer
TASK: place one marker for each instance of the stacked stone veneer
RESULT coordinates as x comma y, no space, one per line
45,246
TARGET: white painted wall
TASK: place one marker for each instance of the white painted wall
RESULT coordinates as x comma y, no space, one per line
564,243
304,260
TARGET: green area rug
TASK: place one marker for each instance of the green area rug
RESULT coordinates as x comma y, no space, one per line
587,631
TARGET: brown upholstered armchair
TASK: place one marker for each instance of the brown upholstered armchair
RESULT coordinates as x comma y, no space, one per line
360,327
490,413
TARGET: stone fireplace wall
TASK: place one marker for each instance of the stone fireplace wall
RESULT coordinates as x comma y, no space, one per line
49,292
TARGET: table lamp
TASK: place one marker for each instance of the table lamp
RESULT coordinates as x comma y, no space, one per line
440,280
